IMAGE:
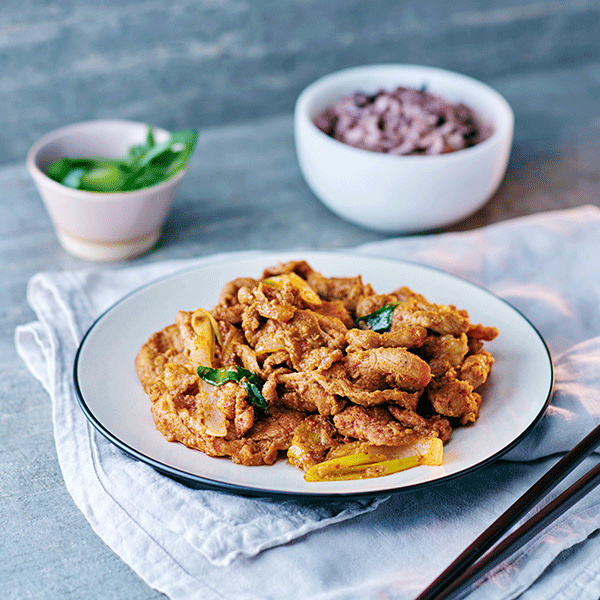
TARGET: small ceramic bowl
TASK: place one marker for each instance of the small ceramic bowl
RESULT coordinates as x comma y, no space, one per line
402,194
101,226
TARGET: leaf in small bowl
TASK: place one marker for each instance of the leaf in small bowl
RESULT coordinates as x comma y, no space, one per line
144,165
104,178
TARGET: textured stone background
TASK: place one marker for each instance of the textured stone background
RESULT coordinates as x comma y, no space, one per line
195,63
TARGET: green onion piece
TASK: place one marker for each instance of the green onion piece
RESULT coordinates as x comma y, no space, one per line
381,319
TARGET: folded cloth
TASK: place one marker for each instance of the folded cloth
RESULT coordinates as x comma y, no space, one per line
211,545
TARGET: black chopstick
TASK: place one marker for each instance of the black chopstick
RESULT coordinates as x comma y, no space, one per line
523,534
469,566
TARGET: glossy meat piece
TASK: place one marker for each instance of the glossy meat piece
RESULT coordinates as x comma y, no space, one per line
400,336
454,398
445,352
435,426
304,332
348,290
441,319
380,368
229,308
476,368
372,424
306,393
479,332
336,381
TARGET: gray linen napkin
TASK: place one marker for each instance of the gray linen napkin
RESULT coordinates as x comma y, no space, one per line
209,545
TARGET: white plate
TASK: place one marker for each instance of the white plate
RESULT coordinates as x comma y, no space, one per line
111,396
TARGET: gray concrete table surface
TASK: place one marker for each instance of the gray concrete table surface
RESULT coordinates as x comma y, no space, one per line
244,190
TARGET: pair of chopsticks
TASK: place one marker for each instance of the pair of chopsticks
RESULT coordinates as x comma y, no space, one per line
475,562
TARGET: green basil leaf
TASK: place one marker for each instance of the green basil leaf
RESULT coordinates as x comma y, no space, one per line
137,152
219,376
255,395
186,138
59,169
381,319
154,153
145,165
247,378
145,177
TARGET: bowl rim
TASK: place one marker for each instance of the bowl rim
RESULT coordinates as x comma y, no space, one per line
503,121
47,139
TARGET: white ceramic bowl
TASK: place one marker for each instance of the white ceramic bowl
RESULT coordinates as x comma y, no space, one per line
402,194
101,226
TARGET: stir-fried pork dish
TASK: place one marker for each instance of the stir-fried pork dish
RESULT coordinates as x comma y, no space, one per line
344,381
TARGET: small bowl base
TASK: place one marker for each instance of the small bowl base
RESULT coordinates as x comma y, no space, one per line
106,251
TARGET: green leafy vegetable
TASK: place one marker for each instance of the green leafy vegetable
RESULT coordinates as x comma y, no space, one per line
255,395
145,165
103,178
248,379
381,319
